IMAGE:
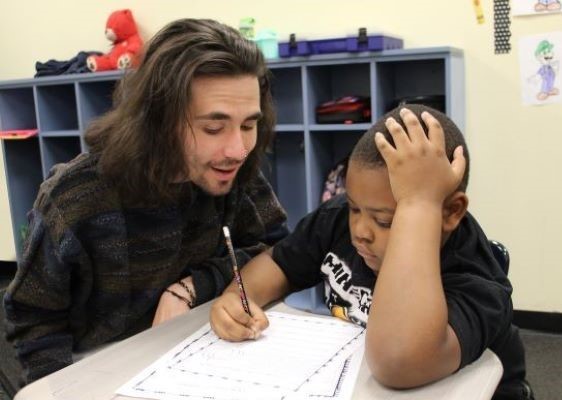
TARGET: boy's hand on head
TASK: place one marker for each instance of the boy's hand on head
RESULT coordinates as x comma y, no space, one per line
230,322
418,167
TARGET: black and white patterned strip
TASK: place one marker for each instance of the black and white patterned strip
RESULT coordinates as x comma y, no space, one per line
502,23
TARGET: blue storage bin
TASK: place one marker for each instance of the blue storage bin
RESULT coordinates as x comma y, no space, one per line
339,45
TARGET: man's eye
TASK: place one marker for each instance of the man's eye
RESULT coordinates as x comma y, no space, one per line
212,130
248,127
354,210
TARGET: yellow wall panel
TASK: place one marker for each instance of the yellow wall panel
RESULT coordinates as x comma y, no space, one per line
515,190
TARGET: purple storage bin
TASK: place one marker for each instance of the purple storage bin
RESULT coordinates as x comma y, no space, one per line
339,45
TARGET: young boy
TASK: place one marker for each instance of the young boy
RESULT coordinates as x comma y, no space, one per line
402,240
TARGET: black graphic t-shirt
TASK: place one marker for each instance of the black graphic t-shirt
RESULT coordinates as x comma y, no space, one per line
477,291
348,292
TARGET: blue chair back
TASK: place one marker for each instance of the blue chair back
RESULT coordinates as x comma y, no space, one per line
501,254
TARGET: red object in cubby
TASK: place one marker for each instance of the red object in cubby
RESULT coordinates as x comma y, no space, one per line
15,134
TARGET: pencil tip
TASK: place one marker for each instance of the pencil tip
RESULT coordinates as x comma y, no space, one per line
226,231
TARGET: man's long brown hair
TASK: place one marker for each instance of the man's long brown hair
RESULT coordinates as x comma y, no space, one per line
140,141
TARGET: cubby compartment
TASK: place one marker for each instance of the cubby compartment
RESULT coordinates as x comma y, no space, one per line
94,99
17,109
288,174
411,81
329,81
23,176
286,88
327,148
57,150
56,105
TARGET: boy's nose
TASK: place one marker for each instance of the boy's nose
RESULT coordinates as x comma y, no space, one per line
361,231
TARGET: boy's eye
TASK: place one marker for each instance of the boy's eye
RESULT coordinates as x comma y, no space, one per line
354,210
383,224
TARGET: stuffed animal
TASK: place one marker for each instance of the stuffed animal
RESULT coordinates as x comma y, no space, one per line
120,29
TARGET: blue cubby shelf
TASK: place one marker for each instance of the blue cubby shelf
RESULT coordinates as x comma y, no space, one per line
302,152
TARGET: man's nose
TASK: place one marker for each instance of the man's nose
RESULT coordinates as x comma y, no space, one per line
234,146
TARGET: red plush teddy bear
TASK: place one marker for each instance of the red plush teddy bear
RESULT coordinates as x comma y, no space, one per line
122,31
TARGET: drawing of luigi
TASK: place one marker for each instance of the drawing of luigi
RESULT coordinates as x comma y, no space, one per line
548,70
547,5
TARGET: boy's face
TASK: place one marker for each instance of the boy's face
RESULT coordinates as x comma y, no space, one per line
223,118
371,209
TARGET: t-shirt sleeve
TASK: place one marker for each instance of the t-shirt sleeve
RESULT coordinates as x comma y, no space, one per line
479,310
301,253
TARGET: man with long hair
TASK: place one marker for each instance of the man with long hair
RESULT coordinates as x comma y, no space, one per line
130,233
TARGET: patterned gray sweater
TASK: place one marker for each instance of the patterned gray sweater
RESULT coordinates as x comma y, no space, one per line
93,269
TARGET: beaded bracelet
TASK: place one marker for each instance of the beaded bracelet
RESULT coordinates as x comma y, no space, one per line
182,298
188,289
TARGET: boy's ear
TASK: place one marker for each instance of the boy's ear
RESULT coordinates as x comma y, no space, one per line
454,209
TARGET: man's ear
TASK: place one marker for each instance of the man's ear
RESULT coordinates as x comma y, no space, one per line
454,209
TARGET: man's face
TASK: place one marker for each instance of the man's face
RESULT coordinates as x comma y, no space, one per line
223,115
371,209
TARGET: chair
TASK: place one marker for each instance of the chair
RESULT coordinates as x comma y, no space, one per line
500,254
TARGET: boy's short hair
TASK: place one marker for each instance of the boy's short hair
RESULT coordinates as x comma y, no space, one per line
367,154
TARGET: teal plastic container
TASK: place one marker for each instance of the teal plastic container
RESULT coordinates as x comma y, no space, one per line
266,40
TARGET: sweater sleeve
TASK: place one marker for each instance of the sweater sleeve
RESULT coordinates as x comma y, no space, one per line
257,221
37,301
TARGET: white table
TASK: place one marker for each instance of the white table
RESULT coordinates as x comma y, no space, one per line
99,375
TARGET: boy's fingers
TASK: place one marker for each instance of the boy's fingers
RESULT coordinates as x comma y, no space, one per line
459,162
384,147
260,321
398,133
413,125
240,315
229,328
435,130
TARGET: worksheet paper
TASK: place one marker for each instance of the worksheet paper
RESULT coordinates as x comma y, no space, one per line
297,357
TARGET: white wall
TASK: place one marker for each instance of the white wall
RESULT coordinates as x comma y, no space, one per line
7,247
515,191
